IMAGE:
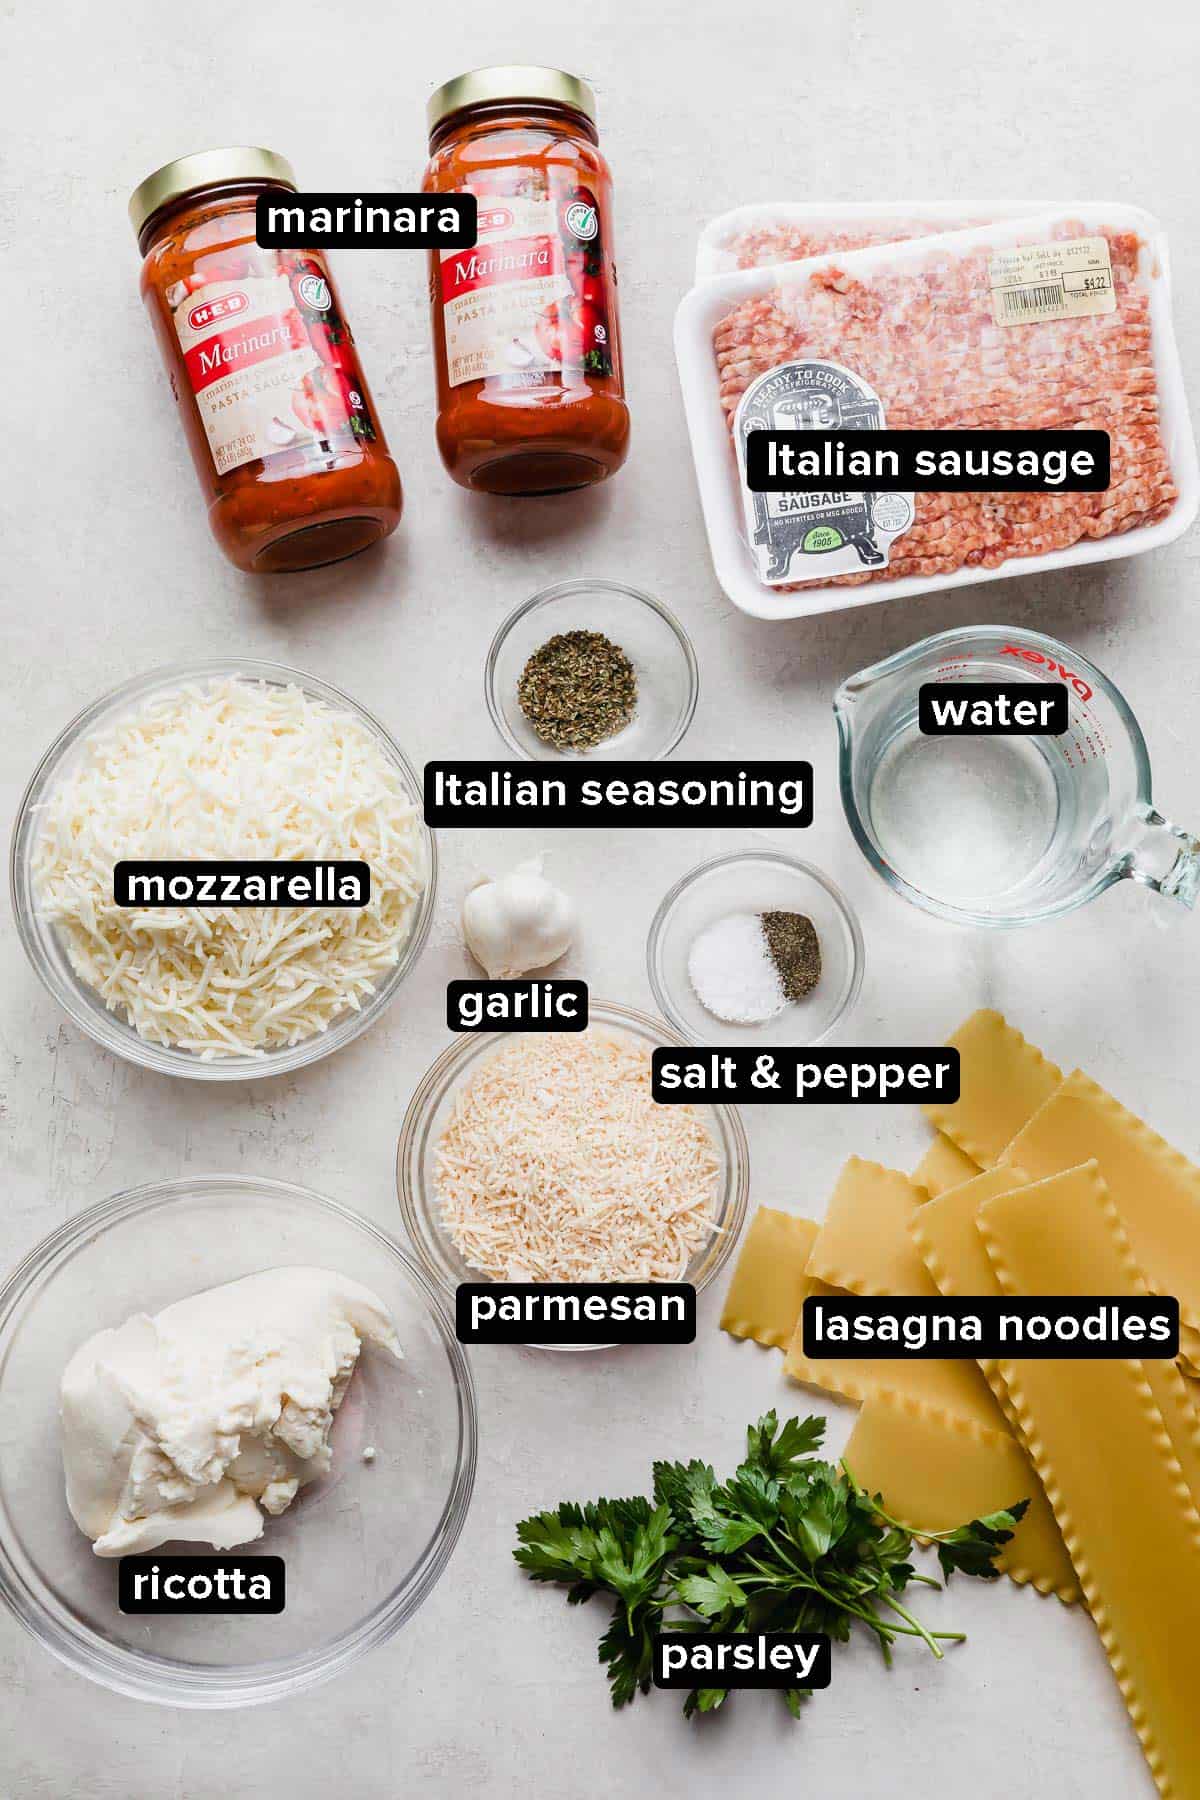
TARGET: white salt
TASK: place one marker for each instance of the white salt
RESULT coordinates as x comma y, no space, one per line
730,968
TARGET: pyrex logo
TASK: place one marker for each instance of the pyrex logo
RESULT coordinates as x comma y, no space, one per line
224,307
493,218
1047,662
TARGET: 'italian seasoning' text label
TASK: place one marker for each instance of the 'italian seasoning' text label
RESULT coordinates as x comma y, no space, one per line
627,793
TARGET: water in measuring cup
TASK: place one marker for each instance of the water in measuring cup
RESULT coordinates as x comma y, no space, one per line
966,820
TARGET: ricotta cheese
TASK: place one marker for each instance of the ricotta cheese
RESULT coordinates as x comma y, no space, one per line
194,1423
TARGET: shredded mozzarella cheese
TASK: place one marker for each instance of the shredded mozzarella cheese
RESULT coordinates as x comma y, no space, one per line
231,770
556,1165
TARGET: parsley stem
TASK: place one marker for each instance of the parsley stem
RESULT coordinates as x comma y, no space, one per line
930,1637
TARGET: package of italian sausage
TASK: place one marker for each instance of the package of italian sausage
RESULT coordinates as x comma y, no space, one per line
1059,320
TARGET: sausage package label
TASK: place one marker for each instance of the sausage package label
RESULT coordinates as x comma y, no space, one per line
1068,279
825,529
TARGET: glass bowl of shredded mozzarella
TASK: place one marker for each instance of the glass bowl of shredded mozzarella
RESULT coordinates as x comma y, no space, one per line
541,1156
232,763
363,1543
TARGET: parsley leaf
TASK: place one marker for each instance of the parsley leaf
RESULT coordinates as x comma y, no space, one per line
713,1593
971,1548
773,1449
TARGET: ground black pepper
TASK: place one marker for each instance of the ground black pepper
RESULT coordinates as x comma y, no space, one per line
795,950
577,690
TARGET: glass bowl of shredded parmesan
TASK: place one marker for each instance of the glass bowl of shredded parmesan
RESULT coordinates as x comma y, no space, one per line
541,1156
221,763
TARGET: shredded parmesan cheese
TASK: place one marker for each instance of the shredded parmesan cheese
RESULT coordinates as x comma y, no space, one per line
556,1165
230,770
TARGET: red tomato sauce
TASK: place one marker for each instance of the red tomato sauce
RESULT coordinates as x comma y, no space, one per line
281,426
526,336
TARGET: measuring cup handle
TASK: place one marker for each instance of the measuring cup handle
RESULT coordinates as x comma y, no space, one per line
1165,858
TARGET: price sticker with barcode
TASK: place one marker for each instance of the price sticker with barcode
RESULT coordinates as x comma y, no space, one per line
1067,280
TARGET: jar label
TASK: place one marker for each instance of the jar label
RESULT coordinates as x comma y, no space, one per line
531,295
270,360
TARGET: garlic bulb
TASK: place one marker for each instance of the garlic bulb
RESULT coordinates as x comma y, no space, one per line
518,922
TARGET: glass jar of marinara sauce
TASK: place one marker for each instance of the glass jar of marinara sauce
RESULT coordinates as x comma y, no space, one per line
263,368
528,353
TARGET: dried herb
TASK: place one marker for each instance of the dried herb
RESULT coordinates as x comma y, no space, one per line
577,690
795,950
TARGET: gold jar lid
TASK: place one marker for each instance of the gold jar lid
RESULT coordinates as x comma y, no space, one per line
207,168
511,81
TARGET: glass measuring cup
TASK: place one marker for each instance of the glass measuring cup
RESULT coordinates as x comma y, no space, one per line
1003,830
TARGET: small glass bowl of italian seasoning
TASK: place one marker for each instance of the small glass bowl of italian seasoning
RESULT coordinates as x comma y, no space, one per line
591,669
756,948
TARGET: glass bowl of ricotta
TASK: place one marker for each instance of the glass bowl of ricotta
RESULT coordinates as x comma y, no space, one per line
362,1545
91,970
439,1095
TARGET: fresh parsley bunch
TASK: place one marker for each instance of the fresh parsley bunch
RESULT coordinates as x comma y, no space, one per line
789,1543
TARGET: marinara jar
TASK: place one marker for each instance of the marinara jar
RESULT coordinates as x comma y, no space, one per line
263,368
528,353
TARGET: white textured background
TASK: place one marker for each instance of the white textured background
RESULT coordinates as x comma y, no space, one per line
108,569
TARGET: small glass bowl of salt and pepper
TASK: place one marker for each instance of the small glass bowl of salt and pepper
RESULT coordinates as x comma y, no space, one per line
755,948
592,669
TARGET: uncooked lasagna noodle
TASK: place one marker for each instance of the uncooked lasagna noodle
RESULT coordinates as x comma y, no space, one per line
946,1233
1003,1081
1155,1189
863,1243
763,1301
918,329
952,1386
943,1166
768,1289
934,1472
865,1246
1105,1435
